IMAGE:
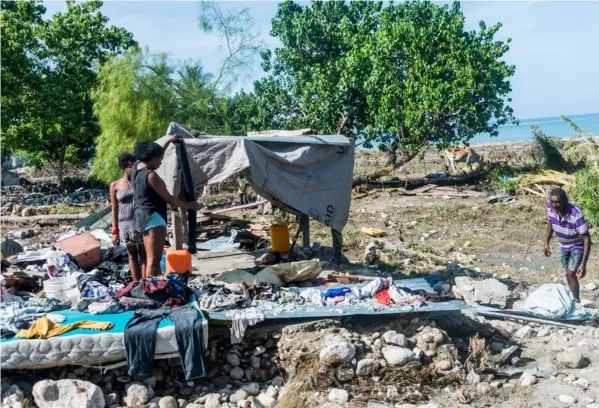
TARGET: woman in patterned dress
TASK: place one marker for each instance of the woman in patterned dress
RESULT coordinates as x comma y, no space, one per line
121,197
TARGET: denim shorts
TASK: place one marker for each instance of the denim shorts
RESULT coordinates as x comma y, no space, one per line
572,260
154,221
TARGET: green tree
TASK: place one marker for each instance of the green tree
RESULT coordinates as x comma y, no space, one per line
57,123
134,101
399,76
21,70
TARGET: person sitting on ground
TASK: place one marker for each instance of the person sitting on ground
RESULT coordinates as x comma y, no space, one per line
151,198
121,198
573,236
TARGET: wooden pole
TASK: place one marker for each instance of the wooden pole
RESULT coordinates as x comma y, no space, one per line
177,229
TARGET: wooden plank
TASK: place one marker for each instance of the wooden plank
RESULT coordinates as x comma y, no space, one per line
216,262
421,190
240,207
211,217
177,229
49,217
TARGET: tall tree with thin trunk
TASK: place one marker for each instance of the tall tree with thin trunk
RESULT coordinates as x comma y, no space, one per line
241,41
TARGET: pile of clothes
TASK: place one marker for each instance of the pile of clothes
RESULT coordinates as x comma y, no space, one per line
224,296
21,314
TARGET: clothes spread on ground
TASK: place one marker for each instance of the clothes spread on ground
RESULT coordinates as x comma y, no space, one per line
312,296
58,264
44,328
13,325
98,290
241,319
169,291
375,286
263,291
129,303
140,340
109,307
32,306
383,297
223,296
113,275
334,292
288,296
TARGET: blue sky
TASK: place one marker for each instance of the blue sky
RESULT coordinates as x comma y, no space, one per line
555,47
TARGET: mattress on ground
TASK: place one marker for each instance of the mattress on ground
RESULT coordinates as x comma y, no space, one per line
84,346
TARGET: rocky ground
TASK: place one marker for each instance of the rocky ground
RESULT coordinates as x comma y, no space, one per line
424,361
420,362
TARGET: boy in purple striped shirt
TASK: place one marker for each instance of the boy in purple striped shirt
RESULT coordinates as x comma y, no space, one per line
573,236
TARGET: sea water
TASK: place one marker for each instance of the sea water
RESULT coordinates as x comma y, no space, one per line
551,126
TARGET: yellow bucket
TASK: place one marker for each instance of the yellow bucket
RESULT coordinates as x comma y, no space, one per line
279,238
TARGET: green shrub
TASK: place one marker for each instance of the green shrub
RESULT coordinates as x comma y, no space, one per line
585,193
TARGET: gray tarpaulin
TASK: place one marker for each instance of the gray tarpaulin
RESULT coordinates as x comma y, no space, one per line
303,174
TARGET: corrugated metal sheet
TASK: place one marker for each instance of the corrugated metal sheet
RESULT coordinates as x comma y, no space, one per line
98,220
311,311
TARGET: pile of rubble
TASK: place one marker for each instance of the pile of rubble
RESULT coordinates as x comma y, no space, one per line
19,202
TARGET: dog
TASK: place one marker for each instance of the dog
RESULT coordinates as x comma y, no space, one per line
465,154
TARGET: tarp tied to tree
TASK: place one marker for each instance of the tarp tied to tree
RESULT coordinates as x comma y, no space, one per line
398,76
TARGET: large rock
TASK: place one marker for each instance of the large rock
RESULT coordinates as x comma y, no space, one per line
488,292
527,379
67,394
266,400
338,396
340,352
571,359
237,373
251,388
238,396
365,367
233,359
345,374
398,356
137,394
395,339
168,402
212,401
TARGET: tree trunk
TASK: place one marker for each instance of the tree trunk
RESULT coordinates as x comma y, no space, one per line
386,170
392,152
63,152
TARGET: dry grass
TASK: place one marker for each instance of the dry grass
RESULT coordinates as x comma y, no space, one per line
305,380
479,356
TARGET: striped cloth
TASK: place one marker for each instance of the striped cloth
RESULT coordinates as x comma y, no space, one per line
569,229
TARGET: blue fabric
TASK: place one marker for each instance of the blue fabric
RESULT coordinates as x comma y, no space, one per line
331,293
177,284
119,321
155,221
